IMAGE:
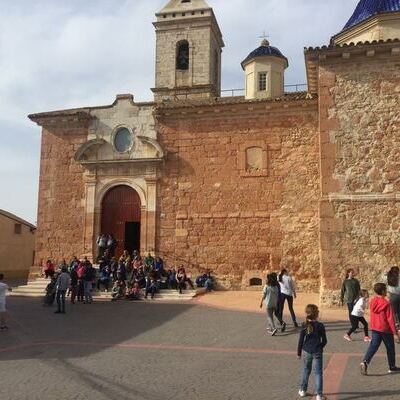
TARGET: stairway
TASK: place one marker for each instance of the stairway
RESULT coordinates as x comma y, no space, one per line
37,288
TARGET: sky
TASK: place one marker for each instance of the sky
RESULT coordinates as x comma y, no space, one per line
57,54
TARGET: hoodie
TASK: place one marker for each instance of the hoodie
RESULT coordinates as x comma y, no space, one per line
382,317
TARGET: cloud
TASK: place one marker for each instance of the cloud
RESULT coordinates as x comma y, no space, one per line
72,53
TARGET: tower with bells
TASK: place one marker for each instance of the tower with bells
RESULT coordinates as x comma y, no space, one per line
188,51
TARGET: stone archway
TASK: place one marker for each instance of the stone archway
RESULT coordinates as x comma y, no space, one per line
121,217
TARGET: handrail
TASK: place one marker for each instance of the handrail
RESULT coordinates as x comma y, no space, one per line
299,87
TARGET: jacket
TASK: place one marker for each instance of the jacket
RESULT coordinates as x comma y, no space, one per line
382,317
313,342
350,290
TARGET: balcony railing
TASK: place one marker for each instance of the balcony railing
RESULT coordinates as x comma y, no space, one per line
300,87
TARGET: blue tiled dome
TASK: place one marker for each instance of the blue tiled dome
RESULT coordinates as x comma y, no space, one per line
263,51
369,8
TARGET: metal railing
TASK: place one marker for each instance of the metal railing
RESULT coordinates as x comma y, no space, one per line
299,87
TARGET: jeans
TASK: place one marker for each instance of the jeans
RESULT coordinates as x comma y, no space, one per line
355,322
87,289
308,360
388,340
350,307
152,290
61,300
290,305
270,318
395,303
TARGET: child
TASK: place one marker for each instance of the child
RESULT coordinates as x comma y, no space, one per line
312,341
3,311
357,316
50,292
383,329
270,298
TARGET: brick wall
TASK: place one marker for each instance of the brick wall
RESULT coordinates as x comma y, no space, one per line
360,141
61,216
213,214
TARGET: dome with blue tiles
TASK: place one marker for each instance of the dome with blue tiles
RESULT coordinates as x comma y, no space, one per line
265,50
369,8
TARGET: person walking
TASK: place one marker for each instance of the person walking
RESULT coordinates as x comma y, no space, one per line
357,316
312,342
3,309
350,291
270,297
394,293
63,283
288,293
383,330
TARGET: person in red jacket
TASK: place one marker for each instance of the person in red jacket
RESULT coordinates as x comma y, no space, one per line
383,329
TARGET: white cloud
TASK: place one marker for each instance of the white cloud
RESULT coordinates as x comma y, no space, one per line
72,53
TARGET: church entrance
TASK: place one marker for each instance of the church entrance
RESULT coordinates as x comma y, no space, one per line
120,216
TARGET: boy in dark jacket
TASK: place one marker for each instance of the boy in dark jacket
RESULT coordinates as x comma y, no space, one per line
383,329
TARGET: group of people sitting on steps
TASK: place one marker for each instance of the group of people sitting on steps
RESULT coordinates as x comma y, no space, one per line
131,277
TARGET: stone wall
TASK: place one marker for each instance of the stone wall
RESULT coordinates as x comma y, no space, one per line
61,217
360,142
213,213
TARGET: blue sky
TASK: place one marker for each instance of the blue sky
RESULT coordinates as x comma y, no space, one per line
71,53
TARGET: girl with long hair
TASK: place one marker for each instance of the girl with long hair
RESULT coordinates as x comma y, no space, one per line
312,342
288,293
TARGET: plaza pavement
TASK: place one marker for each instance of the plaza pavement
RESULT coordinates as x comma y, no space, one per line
159,351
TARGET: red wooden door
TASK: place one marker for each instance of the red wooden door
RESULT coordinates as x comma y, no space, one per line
120,207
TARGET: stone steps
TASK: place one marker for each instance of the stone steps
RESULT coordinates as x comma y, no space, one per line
37,288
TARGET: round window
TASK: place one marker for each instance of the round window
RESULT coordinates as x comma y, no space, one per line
123,140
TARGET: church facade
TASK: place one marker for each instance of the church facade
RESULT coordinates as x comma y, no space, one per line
309,181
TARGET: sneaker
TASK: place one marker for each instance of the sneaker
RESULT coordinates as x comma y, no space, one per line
320,397
273,332
364,368
394,370
283,328
302,393
367,339
57,312
348,338
4,327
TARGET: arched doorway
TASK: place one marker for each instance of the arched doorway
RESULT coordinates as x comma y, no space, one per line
120,216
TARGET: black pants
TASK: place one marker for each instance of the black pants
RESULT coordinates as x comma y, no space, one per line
290,305
61,300
350,307
355,321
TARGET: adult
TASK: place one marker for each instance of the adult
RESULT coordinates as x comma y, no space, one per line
89,276
63,283
394,293
111,245
288,293
350,291
73,264
49,269
3,310
101,245
74,283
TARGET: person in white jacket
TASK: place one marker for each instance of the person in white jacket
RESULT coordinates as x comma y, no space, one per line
357,316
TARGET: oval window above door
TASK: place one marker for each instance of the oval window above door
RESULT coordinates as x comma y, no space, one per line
123,140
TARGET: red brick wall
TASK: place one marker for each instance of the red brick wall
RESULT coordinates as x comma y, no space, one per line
61,196
211,216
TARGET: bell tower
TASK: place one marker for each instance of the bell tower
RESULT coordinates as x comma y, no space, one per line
188,51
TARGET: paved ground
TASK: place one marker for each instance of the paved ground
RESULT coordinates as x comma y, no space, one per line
140,351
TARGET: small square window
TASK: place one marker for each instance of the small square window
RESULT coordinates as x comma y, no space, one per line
262,81
17,229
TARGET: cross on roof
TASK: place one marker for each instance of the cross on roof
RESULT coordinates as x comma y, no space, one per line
264,36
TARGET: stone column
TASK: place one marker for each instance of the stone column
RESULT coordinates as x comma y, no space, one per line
89,225
151,184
